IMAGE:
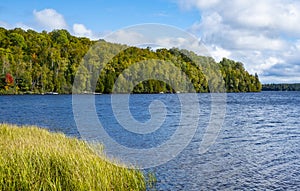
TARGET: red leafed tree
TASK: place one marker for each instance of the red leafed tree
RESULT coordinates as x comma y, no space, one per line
9,79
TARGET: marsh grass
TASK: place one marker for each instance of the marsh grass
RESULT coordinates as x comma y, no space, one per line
35,159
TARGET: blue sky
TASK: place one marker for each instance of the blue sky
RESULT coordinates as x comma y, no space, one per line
263,35
100,15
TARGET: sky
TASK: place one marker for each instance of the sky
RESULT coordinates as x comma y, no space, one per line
264,35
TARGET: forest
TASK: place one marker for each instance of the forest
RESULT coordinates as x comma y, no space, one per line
38,62
281,87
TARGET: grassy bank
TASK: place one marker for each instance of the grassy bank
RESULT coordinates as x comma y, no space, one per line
35,159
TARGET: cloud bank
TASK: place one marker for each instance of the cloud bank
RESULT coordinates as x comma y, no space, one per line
262,34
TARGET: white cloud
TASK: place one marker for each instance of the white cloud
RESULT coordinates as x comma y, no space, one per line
50,19
219,53
270,62
276,16
262,34
81,31
257,42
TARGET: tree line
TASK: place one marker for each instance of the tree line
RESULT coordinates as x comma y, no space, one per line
38,62
281,87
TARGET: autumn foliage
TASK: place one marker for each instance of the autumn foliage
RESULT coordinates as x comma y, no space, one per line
9,79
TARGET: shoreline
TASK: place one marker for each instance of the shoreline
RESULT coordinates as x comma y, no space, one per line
33,158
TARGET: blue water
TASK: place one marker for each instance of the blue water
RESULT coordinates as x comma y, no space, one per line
257,148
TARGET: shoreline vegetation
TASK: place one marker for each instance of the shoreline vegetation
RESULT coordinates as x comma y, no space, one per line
32,158
281,87
41,62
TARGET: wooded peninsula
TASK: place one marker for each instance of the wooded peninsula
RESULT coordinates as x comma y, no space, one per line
39,62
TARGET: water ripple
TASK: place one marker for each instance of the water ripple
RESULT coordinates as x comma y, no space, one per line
258,147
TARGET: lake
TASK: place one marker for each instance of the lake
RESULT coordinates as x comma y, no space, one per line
257,148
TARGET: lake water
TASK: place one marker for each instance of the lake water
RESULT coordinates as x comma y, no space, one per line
257,148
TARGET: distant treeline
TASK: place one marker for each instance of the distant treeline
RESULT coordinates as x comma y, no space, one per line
33,62
281,87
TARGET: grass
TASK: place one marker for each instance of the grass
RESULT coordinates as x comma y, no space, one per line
35,159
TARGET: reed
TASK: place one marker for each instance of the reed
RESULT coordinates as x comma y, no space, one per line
32,158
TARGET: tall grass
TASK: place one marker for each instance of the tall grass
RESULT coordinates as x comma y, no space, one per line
35,159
